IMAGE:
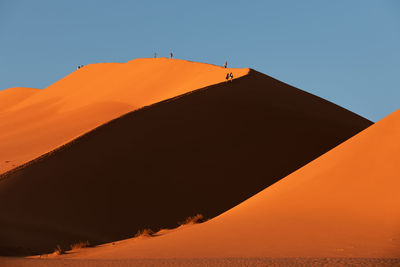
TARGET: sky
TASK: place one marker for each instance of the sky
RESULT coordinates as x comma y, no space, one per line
346,51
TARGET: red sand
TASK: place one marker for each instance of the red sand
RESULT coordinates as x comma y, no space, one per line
343,204
32,124
203,152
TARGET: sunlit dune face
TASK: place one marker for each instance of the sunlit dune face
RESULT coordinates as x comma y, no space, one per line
13,96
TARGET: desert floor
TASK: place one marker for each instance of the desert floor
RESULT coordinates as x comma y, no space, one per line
326,262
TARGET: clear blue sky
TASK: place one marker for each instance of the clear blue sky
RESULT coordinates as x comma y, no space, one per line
346,51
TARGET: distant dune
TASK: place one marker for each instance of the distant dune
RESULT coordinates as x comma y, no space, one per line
34,122
203,152
13,96
343,204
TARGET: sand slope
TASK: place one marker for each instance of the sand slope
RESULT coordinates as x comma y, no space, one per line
12,96
89,97
343,204
203,152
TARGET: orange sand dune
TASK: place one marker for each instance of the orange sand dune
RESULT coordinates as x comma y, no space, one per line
90,97
12,96
344,204
203,152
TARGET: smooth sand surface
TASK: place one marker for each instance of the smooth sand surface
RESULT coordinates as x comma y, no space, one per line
228,262
343,204
203,152
34,124
12,96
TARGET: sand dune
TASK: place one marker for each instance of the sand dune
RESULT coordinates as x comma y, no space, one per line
343,204
203,152
95,94
13,96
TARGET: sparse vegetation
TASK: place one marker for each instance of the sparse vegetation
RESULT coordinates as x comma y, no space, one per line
80,245
59,250
198,218
144,233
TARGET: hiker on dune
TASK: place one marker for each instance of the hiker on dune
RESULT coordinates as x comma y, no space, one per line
231,75
171,55
227,77
226,64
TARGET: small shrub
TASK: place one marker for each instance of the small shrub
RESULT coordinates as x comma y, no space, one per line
59,250
198,218
80,245
144,233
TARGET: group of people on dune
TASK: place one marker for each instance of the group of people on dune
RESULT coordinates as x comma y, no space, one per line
170,55
229,77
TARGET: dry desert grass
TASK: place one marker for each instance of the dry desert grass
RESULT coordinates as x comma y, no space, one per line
144,233
59,250
198,218
80,244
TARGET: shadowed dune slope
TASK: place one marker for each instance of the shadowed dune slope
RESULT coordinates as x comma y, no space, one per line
203,152
90,97
15,95
343,204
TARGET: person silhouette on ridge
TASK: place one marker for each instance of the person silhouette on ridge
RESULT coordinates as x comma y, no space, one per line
231,75
171,55
226,64
227,77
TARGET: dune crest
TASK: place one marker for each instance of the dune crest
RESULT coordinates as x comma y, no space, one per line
90,96
343,204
